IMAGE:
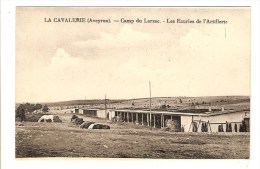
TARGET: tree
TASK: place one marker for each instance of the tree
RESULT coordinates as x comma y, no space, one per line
20,112
37,106
27,107
45,108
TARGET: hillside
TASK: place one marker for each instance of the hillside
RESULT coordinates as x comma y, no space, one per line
82,102
228,102
162,103
169,103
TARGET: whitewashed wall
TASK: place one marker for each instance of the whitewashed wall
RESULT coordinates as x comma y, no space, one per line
231,117
185,122
101,114
111,114
80,111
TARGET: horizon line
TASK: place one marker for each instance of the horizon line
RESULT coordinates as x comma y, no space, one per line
129,98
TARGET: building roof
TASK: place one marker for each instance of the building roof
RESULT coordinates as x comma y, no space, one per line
183,113
90,109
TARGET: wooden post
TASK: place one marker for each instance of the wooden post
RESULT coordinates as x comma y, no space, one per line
142,119
150,104
191,124
127,117
199,126
209,126
136,119
148,120
161,121
154,121
132,114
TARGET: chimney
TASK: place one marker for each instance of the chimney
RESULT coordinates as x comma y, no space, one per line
210,109
222,109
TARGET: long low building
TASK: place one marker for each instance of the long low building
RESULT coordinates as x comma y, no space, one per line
185,121
194,120
100,113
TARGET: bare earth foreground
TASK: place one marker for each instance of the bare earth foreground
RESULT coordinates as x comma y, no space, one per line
125,140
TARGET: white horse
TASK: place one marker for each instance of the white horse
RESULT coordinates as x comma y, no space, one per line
46,117
91,126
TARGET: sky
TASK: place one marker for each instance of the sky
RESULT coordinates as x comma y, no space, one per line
69,61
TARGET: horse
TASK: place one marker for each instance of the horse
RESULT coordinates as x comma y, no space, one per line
74,117
91,126
86,124
46,117
100,126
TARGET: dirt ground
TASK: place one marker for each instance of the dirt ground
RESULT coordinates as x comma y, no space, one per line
124,140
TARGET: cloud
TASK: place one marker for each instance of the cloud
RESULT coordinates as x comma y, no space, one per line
62,60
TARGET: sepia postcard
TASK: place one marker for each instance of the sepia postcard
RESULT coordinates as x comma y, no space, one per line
132,82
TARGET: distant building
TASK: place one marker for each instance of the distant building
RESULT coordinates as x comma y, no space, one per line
100,113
